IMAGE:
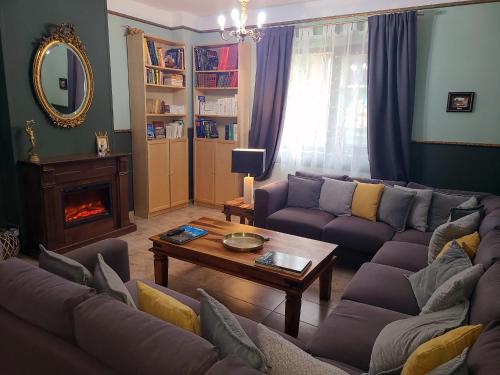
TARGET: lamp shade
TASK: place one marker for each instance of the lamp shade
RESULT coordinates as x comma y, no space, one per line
248,160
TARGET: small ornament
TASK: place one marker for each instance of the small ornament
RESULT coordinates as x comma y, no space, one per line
28,128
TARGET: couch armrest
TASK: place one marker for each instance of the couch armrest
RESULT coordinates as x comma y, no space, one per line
114,252
269,199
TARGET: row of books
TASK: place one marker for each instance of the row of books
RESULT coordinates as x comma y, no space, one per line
162,130
231,132
157,77
158,106
227,106
206,129
229,79
171,58
222,58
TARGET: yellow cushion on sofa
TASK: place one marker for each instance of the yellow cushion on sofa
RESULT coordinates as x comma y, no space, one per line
469,243
366,199
441,349
167,308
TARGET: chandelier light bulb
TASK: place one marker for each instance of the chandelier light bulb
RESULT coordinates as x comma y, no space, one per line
261,18
235,15
222,22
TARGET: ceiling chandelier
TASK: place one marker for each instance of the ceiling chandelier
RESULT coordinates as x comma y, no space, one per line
241,32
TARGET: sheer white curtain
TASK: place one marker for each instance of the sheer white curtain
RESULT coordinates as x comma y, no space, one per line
325,122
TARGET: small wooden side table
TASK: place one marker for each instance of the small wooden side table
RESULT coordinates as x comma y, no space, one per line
238,207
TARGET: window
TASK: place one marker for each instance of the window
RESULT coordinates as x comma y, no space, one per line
325,120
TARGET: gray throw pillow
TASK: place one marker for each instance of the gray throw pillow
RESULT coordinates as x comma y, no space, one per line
399,339
441,207
457,288
426,281
336,196
420,209
303,192
222,329
285,358
452,231
63,266
455,366
106,280
394,207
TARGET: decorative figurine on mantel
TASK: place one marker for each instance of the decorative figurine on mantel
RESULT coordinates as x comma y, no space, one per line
28,128
102,144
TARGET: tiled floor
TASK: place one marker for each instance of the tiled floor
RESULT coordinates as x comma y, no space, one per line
254,301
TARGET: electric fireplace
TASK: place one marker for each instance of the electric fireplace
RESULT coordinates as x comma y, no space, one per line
86,203
74,200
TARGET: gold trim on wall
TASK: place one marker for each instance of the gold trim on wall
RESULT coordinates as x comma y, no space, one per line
458,143
63,34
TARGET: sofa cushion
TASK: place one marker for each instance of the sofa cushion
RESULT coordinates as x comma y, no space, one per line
303,192
366,199
347,335
65,267
40,297
489,249
302,222
489,223
357,234
377,181
485,304
232,365
133,342
441,206
106,280
404,255
382,286
351,370
413,236
416,185
394,207
420,209
336,196
484,355
491,203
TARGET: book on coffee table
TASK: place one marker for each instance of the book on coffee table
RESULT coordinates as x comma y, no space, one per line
283,262
186,234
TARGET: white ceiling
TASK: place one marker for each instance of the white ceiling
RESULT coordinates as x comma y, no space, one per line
211,7
202,14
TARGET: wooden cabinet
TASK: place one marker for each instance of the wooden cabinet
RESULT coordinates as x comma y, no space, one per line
159,175
179,174
214,182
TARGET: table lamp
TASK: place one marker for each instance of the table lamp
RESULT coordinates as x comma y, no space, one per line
252,162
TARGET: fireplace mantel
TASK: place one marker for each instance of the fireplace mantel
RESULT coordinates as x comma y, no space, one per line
45,184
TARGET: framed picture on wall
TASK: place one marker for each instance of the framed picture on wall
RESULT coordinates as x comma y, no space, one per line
63,83
460,102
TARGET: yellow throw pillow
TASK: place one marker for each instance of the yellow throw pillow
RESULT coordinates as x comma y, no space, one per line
441,349
366,199
469,243
167,308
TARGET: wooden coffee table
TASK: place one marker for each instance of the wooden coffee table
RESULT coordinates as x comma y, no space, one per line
208,251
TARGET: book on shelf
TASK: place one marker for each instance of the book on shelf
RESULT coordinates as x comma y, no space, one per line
174,129
150,131
220,79
158,106
174,58
156,55
159,129
216,58
231,132
217,106
282,262
157,77
206,128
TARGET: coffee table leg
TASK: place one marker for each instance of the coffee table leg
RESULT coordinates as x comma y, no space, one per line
292,313
161,269
325,283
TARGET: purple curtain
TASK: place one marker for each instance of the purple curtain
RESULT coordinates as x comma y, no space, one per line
392,51
274,53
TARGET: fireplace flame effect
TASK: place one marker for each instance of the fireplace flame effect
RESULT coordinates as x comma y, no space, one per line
83,211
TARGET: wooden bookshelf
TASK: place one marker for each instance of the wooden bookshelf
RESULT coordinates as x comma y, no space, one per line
213,181
161,169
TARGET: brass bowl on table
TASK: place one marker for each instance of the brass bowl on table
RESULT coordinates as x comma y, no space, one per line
244,242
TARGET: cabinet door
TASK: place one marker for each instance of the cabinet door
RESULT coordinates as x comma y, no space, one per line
179,171
226,183
204,171
159,176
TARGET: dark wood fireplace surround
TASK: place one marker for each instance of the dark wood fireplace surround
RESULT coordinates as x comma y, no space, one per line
45,184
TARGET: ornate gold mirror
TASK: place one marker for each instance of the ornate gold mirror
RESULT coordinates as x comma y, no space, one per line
62,77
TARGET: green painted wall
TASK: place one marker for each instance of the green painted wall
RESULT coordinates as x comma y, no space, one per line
22,23
458,50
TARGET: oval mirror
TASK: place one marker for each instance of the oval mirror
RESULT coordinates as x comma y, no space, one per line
62,77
